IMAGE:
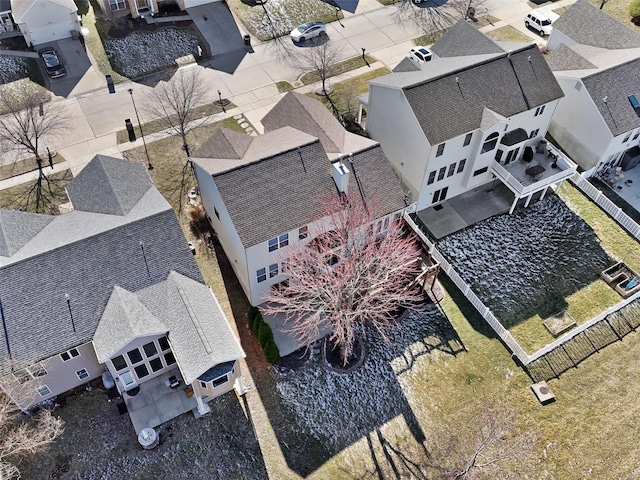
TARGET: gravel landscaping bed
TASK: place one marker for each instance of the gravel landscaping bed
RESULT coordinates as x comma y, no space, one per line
141,53
528,262
13,68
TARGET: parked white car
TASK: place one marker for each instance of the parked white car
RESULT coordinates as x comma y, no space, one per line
307,31
420,54
541,21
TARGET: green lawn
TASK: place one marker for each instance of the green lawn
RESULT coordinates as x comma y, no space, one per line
508,34
26,165
338,68
98,27
23,196
618,9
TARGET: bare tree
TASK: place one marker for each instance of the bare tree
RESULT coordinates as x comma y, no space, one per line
488,445
354,272
21,435
437,16
176,101
602,3
319,60
29,121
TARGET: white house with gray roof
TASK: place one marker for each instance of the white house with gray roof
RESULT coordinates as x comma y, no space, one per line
111,285
466,117
261,193
42,21
598,120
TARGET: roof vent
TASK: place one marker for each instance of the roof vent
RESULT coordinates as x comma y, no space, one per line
341,176
635,104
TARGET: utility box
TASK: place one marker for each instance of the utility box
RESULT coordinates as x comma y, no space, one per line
130,130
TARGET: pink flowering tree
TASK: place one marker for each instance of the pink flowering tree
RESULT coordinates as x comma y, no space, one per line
354,271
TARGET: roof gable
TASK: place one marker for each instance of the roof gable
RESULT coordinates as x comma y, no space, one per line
17,228
22,8
309,116
224,143
565,58
109,185
585,24
463,39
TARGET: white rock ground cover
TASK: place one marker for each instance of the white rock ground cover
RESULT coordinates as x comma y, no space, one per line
12,68
527,262
141,53
284,15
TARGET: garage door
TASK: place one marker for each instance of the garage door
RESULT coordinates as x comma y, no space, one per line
197,3
51,33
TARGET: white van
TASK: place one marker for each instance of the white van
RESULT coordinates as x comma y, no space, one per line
541,21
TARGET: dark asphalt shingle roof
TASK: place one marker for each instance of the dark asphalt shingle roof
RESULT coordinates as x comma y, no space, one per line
406,65
616,83
281,193
224,143
588,25
463,39
453,104
565,58
5,5
308,116
20,7
85,255
17,228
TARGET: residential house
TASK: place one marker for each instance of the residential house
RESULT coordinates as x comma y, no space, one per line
42,21
7,27
110,287
261,193
598,121
137,8
465,118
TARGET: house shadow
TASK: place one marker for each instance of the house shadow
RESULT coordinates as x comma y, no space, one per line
347,5
75,60
316,413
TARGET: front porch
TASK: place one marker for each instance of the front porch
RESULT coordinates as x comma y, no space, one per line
156,403
548,167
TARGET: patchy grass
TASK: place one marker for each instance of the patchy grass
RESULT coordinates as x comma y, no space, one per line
345,93
618,10
278,17
19,197
98,26
24,166
508,34
338,68
154,126
429,38
284,86
485,20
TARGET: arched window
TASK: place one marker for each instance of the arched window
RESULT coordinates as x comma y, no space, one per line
490,142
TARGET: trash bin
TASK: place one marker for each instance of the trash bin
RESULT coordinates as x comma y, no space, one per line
74,34
247,40
130,130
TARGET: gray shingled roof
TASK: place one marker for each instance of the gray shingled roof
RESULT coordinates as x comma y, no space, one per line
616,83
565,58
291,183
20,7
109,185
406,65
463,39
85,255
584,23
309,116
187,311
453,104
224,143
17,228
5,5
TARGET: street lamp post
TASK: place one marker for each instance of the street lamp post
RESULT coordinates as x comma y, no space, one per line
149,166
221,102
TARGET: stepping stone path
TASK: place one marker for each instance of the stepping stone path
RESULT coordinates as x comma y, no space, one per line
244,123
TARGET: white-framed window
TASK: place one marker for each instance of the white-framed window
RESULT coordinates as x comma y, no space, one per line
480,171
82,374
204,385
452,170
279,242
432,177
467,139
117,4
441,173
539,111
25,375
461,165
69,354
490,142
43,390
440,150
635,135
626,137
216,382
261,275
273,270
303,232
534,133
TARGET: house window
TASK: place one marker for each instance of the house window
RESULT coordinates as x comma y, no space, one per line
262,275
461,165
215,210
69,354
626,138
22,376
279,242
164,343
273,270
480,171
150,349
441,173
119,362
303,232
534,133
498,156
511,156
169,358
490,143
432,177
204,385
440,195
134,356
82,374
635,135
43,391
440,150
452,169
467,139
142,371
220,381
156,364
539,111
117,4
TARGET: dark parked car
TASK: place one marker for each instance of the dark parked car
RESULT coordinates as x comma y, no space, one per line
52,63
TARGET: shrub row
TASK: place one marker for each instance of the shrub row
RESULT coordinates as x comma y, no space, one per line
262,331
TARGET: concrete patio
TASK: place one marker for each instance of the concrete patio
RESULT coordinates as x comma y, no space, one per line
156,403
628,188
